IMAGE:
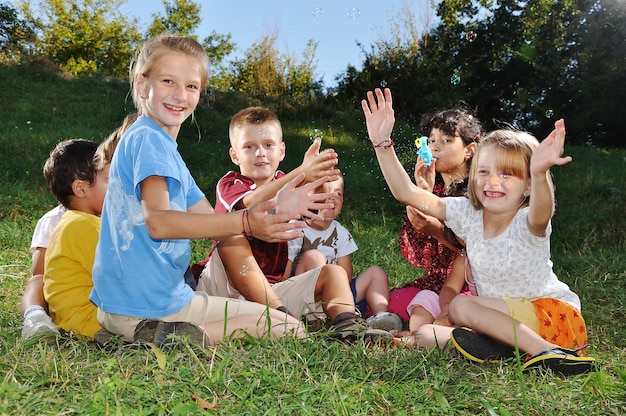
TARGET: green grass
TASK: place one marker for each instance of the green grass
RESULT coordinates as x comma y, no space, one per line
71,376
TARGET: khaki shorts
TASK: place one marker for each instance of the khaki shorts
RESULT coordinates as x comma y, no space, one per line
523,311
297,292
201,310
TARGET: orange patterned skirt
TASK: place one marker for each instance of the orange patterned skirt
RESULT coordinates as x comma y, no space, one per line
561,324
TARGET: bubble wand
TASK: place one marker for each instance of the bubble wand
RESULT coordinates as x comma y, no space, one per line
423,150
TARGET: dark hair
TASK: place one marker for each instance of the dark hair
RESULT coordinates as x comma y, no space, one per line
452,122
70,160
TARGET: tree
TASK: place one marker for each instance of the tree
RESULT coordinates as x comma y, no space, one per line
519,62
182,17
596,81
84,37
265,71
15,35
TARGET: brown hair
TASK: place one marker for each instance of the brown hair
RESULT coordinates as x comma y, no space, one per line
104,153
250,116
163,45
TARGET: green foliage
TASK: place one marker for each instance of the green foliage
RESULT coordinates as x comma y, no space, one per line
524,63
521,62
182,17
84,37
265,71
15,35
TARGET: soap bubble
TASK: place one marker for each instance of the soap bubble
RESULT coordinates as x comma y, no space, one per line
317,12
383,84
354,13
549,113
470,36
315,133
455,79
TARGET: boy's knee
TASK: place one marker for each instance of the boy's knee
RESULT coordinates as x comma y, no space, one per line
333,272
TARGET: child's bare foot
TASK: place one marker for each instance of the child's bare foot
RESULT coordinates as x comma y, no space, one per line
399,333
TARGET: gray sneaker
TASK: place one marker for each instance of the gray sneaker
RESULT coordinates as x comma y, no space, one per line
350,331
386,321
108,341
163,334
39,325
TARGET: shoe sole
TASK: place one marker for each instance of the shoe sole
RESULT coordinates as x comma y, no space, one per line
479,348
108,341
158,333
566,365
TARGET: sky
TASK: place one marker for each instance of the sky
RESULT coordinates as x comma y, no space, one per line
337,25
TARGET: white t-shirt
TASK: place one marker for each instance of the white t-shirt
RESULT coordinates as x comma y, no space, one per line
45,226
333,242
515,264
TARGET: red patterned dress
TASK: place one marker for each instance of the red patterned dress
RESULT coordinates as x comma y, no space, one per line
426,252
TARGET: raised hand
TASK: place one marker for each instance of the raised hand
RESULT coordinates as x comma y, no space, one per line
316,164
549,151
379,115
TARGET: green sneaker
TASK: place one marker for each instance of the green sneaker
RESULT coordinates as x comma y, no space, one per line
479,348
562,361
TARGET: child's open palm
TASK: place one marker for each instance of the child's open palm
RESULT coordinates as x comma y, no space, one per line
379,115
549,151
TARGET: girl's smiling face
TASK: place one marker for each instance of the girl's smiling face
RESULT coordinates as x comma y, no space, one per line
171,91
498,188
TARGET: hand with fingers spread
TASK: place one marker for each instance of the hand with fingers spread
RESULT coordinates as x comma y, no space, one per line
262,222
302,199
379,115
550,150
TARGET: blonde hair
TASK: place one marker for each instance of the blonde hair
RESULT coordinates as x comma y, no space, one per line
104,153
249,116
159,47
514,151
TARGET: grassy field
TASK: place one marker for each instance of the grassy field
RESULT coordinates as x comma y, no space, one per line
71,376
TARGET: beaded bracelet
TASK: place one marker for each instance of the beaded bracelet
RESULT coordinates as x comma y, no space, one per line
385,144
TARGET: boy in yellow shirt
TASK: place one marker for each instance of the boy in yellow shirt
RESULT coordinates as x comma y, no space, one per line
79,185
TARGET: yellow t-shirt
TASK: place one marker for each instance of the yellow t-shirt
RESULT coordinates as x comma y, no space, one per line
67,281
